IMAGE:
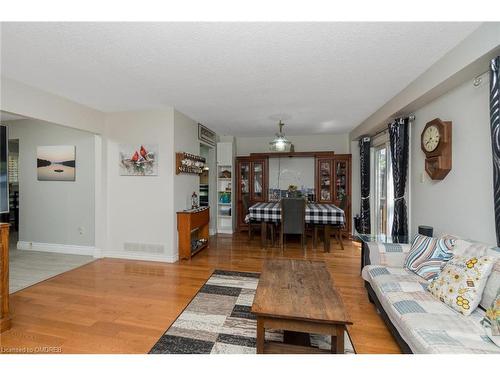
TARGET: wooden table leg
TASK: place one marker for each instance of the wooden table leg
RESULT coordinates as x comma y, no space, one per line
339,238
327,239
315,236
263,234
261,334
338,341
334,345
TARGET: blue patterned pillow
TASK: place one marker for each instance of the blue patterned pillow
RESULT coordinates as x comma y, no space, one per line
429,255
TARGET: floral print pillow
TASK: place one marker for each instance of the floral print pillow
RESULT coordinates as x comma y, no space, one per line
461,282
491,321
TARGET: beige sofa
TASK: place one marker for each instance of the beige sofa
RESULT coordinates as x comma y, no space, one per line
418,321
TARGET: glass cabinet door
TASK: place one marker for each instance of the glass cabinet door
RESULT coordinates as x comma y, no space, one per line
258,181
341,174
244,178
243,191
325,177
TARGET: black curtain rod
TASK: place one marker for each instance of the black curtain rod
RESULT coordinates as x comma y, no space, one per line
409,117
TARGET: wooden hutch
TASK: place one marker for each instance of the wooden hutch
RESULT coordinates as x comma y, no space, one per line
4,278
331,183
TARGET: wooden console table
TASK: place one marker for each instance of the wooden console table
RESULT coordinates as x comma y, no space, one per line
4,277
188,222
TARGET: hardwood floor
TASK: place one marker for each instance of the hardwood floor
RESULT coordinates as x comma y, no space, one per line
124,306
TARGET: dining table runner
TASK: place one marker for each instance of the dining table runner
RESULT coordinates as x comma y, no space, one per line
316,213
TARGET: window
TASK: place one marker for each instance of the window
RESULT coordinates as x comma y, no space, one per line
383,190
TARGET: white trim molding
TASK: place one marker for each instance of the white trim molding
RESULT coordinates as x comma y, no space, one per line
59,248
141,256
225,231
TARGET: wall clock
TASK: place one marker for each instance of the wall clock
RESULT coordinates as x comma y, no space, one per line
436,144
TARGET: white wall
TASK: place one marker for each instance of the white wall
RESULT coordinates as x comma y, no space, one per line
210,155
468,59
339,143
28,101
186,140
51,212
462,203
134,210
292,171
140,208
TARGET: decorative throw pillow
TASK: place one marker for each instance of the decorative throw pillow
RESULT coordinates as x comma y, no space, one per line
491,321
461,282
470,248
476,249
428,255
492,286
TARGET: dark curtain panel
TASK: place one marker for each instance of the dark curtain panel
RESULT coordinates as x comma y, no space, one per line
364,150
399,139
495,137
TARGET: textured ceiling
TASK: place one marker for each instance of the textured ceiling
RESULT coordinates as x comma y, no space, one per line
327,77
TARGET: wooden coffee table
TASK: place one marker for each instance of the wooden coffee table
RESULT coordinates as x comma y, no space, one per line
298,296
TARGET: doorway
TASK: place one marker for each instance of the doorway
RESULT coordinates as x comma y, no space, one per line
52,216
207,184
13,177
204,178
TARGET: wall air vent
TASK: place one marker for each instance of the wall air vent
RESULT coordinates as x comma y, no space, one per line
143,248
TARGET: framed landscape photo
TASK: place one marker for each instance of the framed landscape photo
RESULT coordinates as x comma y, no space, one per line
55,163
206,135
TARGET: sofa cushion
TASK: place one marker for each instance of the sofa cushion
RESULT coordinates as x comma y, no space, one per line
461,283
426,324
492,286
388,254
428,255
477,249
491,321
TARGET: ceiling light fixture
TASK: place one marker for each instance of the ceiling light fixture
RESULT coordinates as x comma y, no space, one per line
280,143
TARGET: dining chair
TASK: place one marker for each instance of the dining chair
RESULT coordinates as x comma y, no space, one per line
337,229
293,220
245,201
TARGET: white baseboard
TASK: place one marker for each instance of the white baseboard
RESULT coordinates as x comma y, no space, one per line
140,256
93,251
59,248
225,231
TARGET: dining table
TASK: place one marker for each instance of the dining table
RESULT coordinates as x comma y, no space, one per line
321,214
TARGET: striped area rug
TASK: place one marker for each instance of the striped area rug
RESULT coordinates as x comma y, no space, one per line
218,320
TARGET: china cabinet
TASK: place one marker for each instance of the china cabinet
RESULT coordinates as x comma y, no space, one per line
324,174
252,185
259,177
332,181
242,190
4,277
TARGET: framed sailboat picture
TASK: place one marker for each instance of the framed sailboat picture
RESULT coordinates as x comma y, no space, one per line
138,160
56,163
